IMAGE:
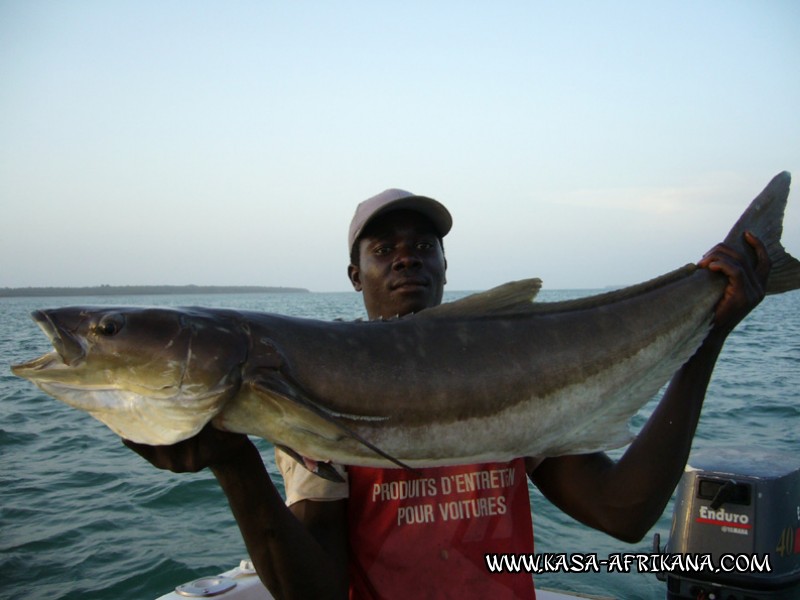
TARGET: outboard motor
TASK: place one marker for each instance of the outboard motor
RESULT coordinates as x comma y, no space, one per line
735,530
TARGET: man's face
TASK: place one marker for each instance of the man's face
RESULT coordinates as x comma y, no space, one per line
402,267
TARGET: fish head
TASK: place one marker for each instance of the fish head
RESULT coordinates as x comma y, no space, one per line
154,376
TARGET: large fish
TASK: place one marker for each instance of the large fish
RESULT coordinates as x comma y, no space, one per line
490,377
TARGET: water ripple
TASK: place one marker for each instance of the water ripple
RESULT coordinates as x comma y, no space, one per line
82,517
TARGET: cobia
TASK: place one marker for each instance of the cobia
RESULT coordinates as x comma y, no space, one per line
490,377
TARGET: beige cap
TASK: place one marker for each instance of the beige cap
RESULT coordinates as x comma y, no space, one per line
395,199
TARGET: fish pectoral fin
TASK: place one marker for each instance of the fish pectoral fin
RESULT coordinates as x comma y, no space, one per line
322,469
275,382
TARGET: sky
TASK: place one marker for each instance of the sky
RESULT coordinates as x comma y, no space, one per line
591,144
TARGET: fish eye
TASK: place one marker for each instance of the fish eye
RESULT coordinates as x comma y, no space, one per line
110,324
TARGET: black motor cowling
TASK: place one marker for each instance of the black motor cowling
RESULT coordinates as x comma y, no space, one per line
736,530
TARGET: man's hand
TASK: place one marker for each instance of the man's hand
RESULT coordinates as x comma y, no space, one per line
210,447
746,283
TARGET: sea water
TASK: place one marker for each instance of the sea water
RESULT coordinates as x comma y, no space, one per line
81,516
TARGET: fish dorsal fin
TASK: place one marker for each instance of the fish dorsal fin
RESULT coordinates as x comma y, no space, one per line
516,298
613,296
512,297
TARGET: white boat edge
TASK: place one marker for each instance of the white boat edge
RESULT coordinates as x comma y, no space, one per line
242,583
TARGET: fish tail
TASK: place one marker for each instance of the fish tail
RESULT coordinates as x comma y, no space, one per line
764,218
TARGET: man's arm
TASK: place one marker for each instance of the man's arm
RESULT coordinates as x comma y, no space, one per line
297,554
626,498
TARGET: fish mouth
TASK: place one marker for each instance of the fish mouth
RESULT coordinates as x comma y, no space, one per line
69,350
46,361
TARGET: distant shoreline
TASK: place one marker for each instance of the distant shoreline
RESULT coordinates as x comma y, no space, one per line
145,290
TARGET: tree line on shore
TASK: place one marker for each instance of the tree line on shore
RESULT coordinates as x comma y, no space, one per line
133,290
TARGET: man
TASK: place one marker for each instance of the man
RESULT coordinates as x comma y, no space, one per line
398,264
